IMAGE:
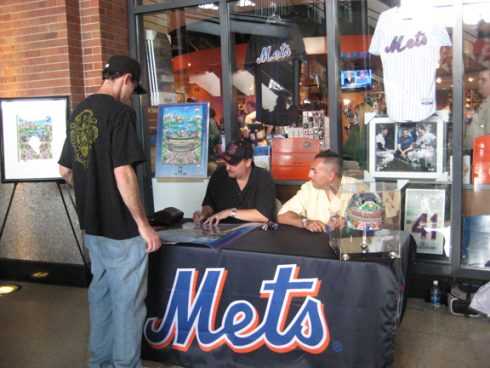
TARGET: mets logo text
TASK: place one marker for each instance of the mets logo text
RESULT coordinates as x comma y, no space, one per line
192,315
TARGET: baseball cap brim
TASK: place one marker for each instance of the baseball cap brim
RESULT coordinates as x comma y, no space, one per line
139,90
231,160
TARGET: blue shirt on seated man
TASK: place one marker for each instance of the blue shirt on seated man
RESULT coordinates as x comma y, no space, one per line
238,191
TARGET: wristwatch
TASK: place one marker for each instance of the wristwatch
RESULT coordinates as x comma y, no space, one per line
304,221
233,212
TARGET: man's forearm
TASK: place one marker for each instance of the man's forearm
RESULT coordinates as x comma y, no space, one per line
67,175
290,218
251,215
127,184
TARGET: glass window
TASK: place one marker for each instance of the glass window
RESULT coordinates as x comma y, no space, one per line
183,54
395,81
279,72
475,249
359,74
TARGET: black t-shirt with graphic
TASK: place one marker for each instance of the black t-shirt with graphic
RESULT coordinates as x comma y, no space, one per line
101,135
274,59
223,192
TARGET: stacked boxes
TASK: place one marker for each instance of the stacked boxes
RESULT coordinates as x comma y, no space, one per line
291,157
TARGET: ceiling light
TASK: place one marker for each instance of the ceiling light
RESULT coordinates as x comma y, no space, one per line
39,275
9,289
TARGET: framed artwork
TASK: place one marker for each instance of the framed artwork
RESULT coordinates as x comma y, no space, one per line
182,140
33,131
424,219
406,149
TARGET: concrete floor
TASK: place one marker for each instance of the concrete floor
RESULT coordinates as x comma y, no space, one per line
44,326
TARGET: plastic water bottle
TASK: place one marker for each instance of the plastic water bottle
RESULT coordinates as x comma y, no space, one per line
435,295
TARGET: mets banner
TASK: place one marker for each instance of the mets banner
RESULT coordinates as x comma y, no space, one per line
244,309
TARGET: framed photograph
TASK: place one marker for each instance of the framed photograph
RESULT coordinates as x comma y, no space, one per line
406,149
424,219
182,140
33,131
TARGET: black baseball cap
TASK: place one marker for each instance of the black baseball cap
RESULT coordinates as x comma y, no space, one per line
124,65
237,150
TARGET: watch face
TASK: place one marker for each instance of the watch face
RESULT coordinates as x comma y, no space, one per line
233,212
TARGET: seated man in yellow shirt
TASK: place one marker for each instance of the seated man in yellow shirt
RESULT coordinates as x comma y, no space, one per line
320,203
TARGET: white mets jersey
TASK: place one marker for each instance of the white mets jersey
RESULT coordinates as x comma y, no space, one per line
409,50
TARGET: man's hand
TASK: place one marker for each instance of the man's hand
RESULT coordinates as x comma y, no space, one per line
151,237
198,217
315,226
217,217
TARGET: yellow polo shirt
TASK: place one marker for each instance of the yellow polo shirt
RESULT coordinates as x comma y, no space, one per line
314,204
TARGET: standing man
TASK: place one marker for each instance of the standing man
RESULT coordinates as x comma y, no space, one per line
321,202
98,159
214,142
238,191
480,124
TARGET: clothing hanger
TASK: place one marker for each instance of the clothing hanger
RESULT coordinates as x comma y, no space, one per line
274,18
412,9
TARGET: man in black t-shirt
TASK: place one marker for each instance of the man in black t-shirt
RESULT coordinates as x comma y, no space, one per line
239,191
98,159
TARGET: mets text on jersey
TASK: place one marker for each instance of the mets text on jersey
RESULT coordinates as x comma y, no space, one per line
283,53
398,45
190,315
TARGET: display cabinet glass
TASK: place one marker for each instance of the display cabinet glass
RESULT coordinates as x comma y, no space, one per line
475,238
367,225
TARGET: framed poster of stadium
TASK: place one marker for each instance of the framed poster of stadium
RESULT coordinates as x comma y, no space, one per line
406,149
424,219
33,131
182,140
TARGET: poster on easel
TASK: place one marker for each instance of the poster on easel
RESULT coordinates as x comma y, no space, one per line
182,140
32,134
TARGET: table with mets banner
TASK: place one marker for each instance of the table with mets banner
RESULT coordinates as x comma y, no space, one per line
279,298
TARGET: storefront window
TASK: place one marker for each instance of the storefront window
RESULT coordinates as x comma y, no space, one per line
394,75
183,61
279,73
475,249
361,90
396,82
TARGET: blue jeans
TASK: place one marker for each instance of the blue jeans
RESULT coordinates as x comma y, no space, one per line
116,300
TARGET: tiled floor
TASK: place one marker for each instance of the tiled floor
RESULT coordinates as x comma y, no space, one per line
45,326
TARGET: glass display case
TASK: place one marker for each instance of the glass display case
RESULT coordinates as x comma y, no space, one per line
368,222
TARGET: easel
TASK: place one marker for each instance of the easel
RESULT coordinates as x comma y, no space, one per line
86,267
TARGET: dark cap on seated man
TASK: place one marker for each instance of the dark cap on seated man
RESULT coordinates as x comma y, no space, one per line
237,151
120,65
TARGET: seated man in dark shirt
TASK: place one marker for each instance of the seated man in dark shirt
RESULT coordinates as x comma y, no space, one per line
239,191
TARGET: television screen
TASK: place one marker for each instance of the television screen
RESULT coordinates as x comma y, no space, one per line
355,79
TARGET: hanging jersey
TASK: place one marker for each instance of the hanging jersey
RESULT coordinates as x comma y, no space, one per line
274,59
409,50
